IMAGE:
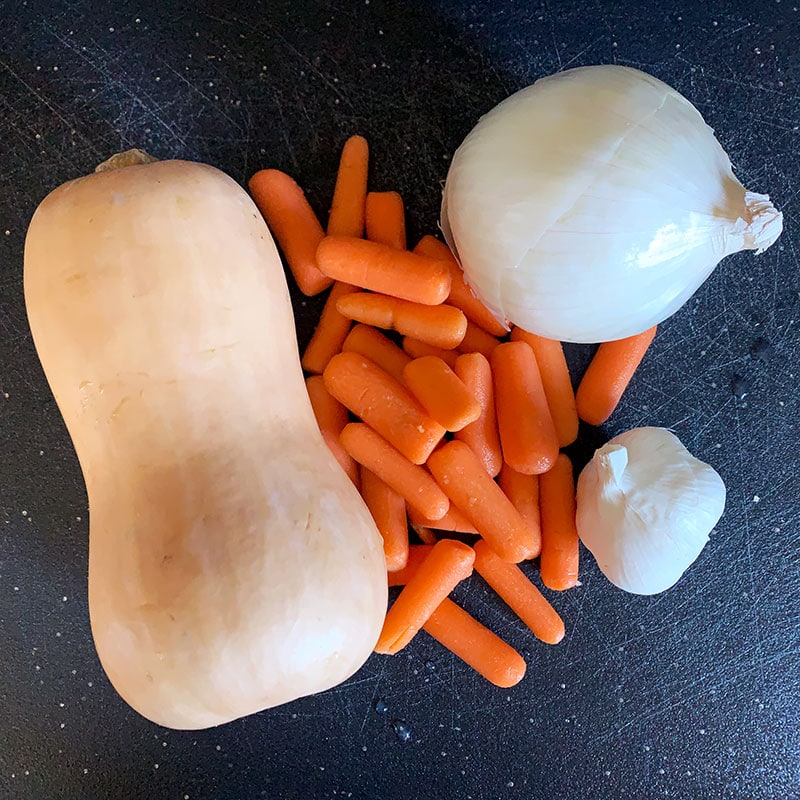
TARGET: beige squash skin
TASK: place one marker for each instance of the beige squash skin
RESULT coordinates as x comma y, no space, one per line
232,564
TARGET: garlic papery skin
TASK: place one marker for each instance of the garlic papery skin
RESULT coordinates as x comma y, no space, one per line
645,508
591,205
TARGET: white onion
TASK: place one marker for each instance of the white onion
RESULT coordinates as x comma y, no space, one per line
592,205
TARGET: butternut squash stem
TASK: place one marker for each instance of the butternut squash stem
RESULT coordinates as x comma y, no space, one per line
127,158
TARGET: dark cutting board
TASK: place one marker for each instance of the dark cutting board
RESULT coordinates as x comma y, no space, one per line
690,694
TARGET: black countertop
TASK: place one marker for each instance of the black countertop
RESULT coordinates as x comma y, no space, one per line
689,694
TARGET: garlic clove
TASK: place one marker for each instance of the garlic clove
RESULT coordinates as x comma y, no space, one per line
645,508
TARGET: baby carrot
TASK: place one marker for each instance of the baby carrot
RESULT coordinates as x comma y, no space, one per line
370,342
481,436
417,553
416,349
527,435
464,480
462,634
331,418
349,195
411,482
476,340
556,381
524,599
386,219
383,403
475,644
448,563
442,326
461,296
373,309
294,224
559,561
381,268
609,374
388,510
453,520
330,333
523,492
441,392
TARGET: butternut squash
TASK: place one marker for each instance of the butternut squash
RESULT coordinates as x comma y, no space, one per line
232,564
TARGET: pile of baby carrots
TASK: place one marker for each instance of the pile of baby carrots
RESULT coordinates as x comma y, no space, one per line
446,422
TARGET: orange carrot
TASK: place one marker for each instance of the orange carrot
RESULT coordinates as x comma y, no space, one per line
556,381
294,224
461,296
417,553
373,309
381,268
442,326
383,403
453,520
411,482
448,563
330,332
514,588
559,562
609,374
475,644
370,342
416,349
331,418
481,436
476,340
386,219
462,634
349,195
527,435
464,480
523,492
388,510
441,392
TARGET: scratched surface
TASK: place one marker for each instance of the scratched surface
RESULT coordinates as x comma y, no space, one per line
692,694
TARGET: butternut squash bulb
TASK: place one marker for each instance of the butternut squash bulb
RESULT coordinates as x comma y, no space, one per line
232,564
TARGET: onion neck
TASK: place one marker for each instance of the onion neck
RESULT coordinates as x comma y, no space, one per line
765,222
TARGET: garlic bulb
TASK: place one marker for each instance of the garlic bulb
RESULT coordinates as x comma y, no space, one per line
591,205
646,507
